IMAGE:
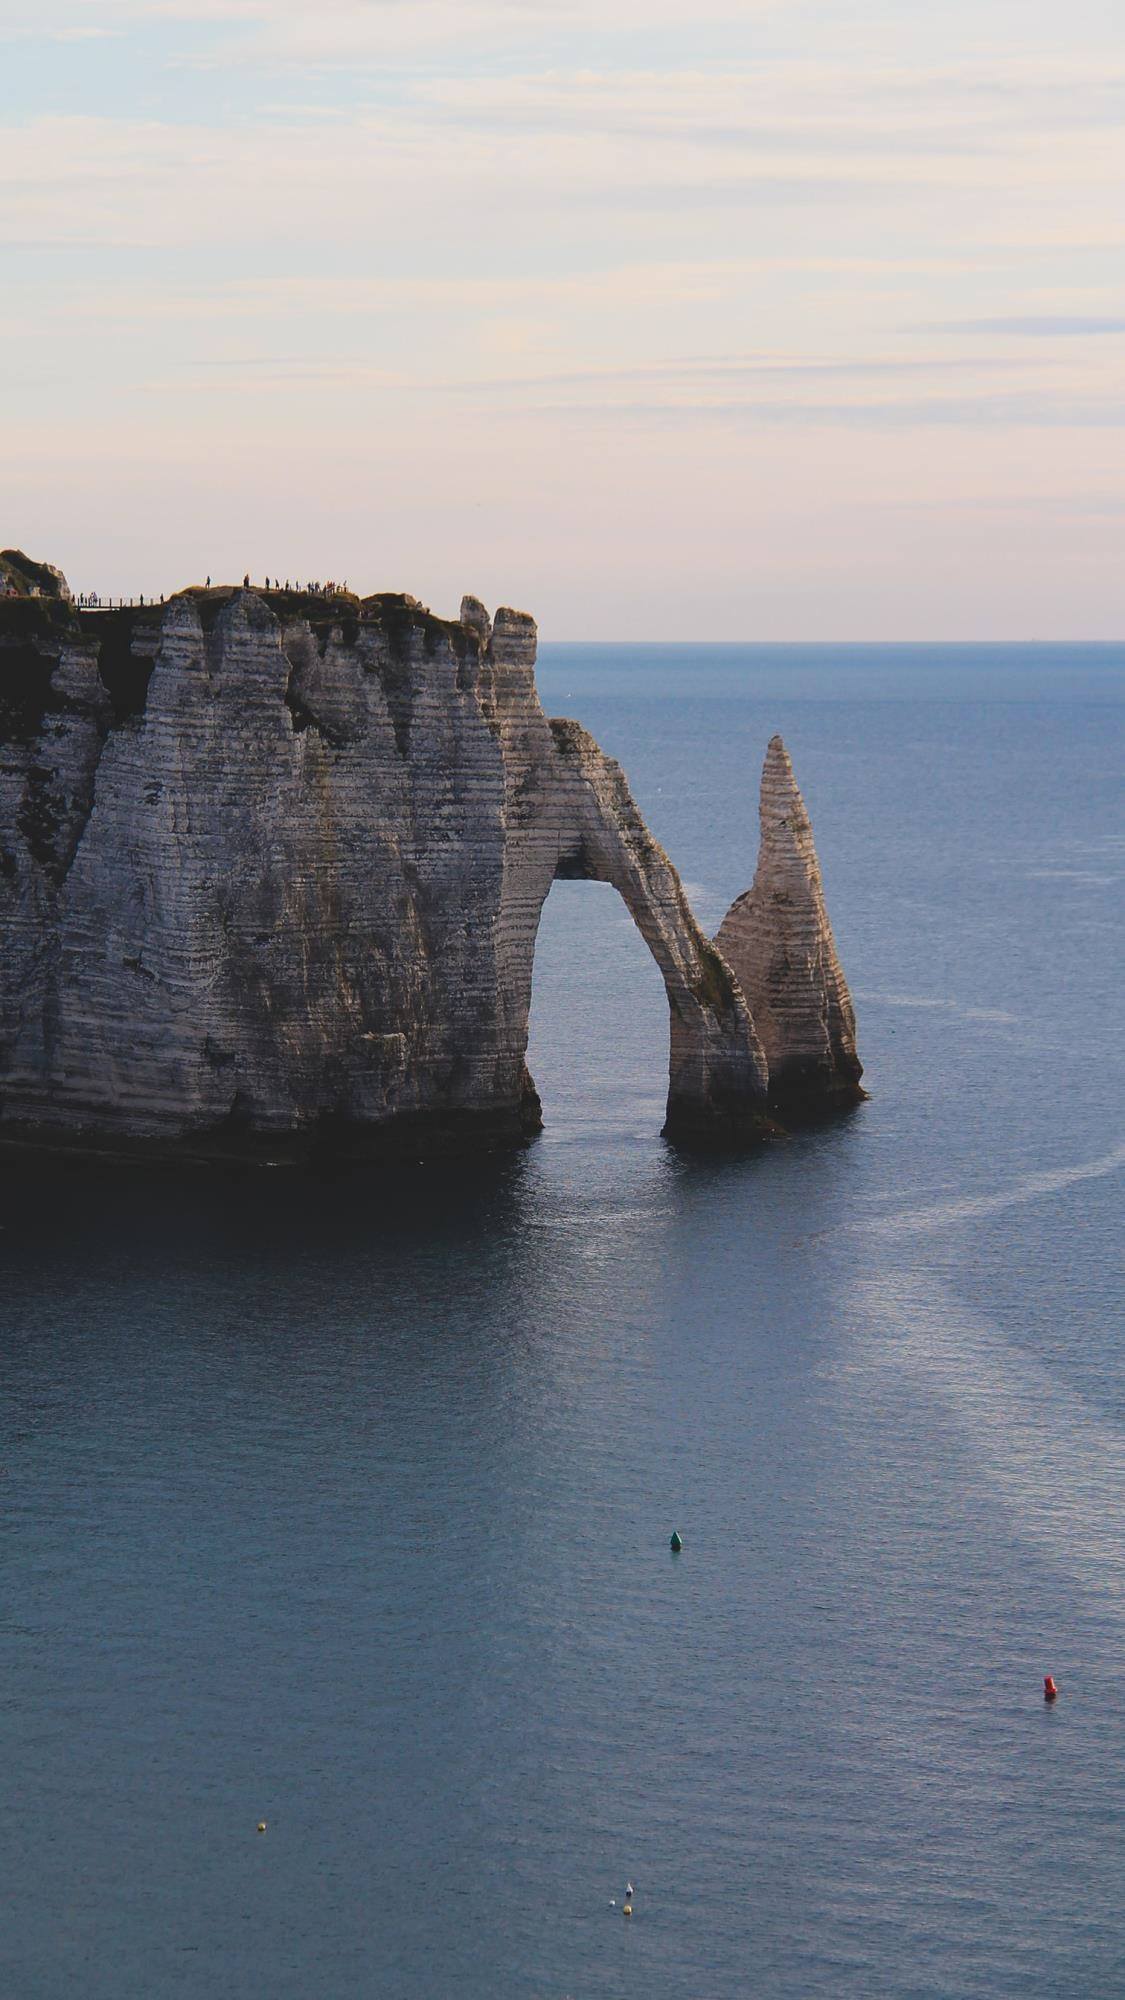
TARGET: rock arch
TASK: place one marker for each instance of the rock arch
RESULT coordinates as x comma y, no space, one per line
273,865
569,815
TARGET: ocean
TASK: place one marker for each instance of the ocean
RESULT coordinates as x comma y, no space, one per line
344,1504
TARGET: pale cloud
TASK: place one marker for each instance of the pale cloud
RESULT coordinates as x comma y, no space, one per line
820,105
282,32
83,34
967,412
199,182
1038,326
793,291
704,385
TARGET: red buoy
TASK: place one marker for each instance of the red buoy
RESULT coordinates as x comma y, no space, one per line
1050,1691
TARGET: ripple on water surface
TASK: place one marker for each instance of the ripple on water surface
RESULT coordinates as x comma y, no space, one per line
346,1506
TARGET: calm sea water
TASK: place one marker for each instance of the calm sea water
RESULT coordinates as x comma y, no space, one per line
346,1506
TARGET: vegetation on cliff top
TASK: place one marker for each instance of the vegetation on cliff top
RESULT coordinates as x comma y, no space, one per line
19,573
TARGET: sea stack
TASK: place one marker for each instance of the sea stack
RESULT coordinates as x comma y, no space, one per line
778,942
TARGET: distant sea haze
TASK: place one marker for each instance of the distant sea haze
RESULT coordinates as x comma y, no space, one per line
345,1506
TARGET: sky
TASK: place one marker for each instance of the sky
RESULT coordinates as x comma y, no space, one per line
739,319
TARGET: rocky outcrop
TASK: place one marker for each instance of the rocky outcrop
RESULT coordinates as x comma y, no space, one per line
21,577
778,942
271,872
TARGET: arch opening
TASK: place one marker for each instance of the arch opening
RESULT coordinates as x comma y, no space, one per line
571,816
598,1027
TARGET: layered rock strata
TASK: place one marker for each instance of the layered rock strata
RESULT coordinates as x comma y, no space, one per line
778,942
271,871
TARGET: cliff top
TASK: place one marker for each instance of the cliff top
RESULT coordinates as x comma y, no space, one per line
22,578
40,618
36,603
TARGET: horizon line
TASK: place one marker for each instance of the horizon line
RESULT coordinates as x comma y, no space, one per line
1017,640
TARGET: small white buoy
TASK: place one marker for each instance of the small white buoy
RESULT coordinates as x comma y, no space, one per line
261,1826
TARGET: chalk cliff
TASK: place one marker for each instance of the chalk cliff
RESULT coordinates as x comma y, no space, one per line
778,942
271,871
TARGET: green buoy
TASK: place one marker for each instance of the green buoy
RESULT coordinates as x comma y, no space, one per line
675,1544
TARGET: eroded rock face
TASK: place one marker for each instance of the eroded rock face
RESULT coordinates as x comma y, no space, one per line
20,576
778,942
271,872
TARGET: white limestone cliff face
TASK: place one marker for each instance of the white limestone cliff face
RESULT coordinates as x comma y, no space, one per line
778,942
271,872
